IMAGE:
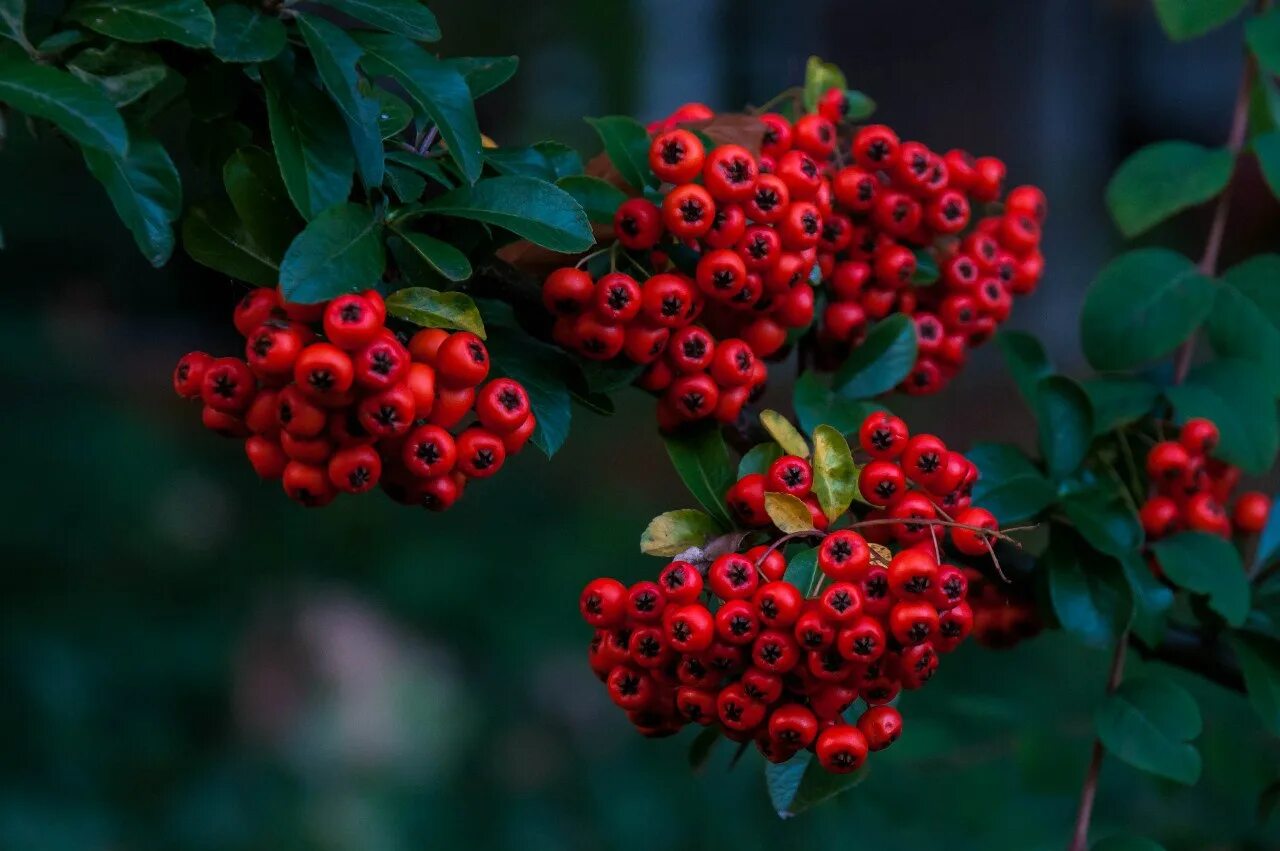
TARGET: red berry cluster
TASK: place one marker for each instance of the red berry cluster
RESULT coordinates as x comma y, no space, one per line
776,659
356,407
1004,614
1191,488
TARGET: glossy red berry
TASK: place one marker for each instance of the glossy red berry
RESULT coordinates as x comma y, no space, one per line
883,436
351,322
733,576
1250,513
844,555
638,224
968,541
429,451
462,360
676,156
228,385
481,453
841,749
746,499
502,405
688,211
566,292
789,474
1199,436
189,373
355,469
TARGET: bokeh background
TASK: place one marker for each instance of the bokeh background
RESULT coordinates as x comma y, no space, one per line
189,661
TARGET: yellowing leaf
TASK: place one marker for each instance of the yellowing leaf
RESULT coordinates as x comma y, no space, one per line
788,513
787,436
676,531
835,478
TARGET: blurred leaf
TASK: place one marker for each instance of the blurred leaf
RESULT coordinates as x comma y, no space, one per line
858,105
81,111
1127,843
1209,565
12,27
429,168
1025,357
759,457
431,309
1065,422
627,144
1269,540
835,478
55,43
1141,306
1148,722
1259,657
406,183
598,198
146,191
310,143
1268,802
1165,178
1186,19
187,22
926,272
701,459
438,89
1089,595
564,160
700,747
815,404
393,113
781,430
336,57
213,236
1103,518
818,77
1118,401
406,17
1266,147
260,200
443,257
339,251
608,376
788,512
484,73
1245,322
883,361
242,34
122,72
545,372
534,209
1228,392
1151,599
1009,485
674,532
1262,33
800,783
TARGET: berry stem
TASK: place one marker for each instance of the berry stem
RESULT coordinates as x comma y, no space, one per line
1080,836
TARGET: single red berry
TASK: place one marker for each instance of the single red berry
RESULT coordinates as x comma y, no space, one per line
228,385
688,211
256,307
1199,436
462,360
261,417
840,603
429,451
481,453
1203,513
883,436
844,555
924,460
389,413
736,622
438,493
189,373
666,300
954,626
642,344
691,349
566,292
777,134
351,322
617,298
737,711
950,588
721,274
693,397
793,725
604,603
638,224
861,641
323,372
841,749
775,651
630,688
451,405
913,623
1167,462
913,574
299,415
968,541
769,200
727,227
789,474
733,576
774,565
1250,513
514,441
681,582
355,469
645,601
801,174
382,364
307,484
746,499
815,134
266,457
425,344
1160,517
502,405
730,173
691,629
676,156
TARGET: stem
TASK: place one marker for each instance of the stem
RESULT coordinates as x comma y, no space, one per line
1080,836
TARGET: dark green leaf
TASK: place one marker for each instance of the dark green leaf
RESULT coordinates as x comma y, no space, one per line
485,73
214,91
122,72
81,111
393,113
187,22
1025,357
336,56
406,17
759,457
1127,843
1151,599
310,142
1141,306
1065,422
801,568
1148,723
534,209
12,25
1185,19
1103,518
883,361
524,161
1009,485
1089,595
701,459
431,309
1263,35
627,144
672,533
1209,565
429,168
406,183
564,160
801,783
545,373
54,44
243,34
443,257
1162,179
214,237
260,200
1245,322
1259,657
1229,393
818,77
1118,401
700,748
598,198
1267,148
438,89
926,272
339,251
1268,801
608,376
815,404
146,190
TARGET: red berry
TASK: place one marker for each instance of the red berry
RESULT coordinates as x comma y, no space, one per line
381,364
681,582
1250,512
429,451
603,603
351,322
691,629
789,474
256,307
841,749
688,211
730,173
425,344
746,498
793,725
228,385
308,484
566,292
502,405
733,576
814,134
844,555
968,541
1199,436
462,360
676,156
1160,517
189,373
266,457
481,453
883,436
355,469
617,298
638,224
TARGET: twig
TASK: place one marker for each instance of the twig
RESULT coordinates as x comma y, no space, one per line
1080,835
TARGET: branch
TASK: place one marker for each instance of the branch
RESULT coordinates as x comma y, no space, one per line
1089,792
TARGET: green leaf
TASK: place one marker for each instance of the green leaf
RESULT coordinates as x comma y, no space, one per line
1269,540
336,56
339,251
1263,36
1009,485
1245,322
243,34
310,142
1026,359
1266,147
701,459
260,200
608,376
676,531
443,257
1127,843
429,168
1104,519
543,370
788,512
146,191
11,21
188,22
801,783
835,478
534,209
759,457
1230,393
214,237
527,161
484,73
438,89
1151,599
815,405
881,363
818,77
598,198
54,44
781,430
1089,595
122,72
926,272
1141,306
1065,421
1162,179
81,111
564,160
1209,565
627,144
406,17
801,568
859,105
393,113
431,309
1118,401
1147,722
1259,657
1186,19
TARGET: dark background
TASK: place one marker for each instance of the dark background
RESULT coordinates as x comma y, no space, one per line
187,660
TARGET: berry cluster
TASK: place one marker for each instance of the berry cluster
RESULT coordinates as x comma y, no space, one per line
331,401
776,657
1004,614
1191,488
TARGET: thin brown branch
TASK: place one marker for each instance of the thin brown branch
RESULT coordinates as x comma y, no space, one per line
1089,792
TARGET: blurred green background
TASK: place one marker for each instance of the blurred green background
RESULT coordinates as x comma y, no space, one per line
189,661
